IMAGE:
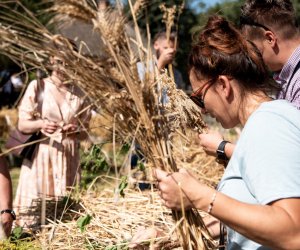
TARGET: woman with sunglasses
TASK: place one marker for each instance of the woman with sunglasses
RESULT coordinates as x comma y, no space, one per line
257,198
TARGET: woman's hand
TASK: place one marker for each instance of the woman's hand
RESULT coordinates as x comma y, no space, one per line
182,190
143,236
49,127
210,142
69,127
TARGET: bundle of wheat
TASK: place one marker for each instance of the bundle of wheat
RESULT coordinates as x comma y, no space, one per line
113,85
114,221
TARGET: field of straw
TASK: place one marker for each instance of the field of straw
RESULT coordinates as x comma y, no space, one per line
116,219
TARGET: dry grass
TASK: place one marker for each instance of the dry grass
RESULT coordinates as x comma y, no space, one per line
112,84
116,219
8,120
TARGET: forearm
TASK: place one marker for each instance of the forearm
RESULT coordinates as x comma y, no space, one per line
5,186
268,225
30,126
229,148
161,64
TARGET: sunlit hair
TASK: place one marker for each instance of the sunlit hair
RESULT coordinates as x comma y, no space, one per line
278,15
220,49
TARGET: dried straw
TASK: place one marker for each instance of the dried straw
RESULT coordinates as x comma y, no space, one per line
114,86
115,221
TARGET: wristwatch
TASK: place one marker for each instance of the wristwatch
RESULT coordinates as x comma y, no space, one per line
221,156
9,211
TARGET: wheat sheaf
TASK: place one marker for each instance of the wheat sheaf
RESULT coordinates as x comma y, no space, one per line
113,84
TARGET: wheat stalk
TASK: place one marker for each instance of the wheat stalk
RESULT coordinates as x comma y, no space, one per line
114,86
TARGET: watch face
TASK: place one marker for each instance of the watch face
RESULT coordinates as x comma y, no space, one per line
221,156
221,151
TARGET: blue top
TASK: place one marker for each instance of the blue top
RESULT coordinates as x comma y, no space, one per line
265,165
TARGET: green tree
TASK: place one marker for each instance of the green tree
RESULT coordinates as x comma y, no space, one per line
229,9
232,9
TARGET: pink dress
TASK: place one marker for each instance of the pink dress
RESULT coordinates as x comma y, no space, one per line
55,164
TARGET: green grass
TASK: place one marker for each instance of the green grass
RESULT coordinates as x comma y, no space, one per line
19,245
14,175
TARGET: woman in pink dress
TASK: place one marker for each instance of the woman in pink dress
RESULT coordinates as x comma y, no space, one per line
60,111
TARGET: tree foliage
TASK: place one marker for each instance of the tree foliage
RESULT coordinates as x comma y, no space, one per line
231,10
191,20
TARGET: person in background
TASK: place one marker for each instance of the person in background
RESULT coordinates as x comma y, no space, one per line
258,197
165,52
103,4
272,26
58,109
6,212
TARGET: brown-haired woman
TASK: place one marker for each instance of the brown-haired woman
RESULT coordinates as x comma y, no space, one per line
272,26
258,196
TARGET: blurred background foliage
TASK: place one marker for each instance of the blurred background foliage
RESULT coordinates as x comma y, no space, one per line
37,7
191,20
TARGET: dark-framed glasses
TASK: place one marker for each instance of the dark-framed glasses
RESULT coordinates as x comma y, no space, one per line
245,20
197,97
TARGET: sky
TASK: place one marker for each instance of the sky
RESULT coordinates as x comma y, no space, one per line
207,2
210,2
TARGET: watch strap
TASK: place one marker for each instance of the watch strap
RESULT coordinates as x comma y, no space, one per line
9,211
221,151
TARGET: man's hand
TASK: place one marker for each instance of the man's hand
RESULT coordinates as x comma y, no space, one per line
166,57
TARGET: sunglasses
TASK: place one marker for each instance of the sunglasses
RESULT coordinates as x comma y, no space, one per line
245,20
197,97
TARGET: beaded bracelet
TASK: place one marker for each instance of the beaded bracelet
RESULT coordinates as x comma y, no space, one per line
211,204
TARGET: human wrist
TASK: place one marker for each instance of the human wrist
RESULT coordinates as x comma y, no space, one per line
203,200
7,211
6,205
212,201
161,64
41,123
221,151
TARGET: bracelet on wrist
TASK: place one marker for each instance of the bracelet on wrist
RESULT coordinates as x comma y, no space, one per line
211,204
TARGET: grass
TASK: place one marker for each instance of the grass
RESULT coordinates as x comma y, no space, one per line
14,175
